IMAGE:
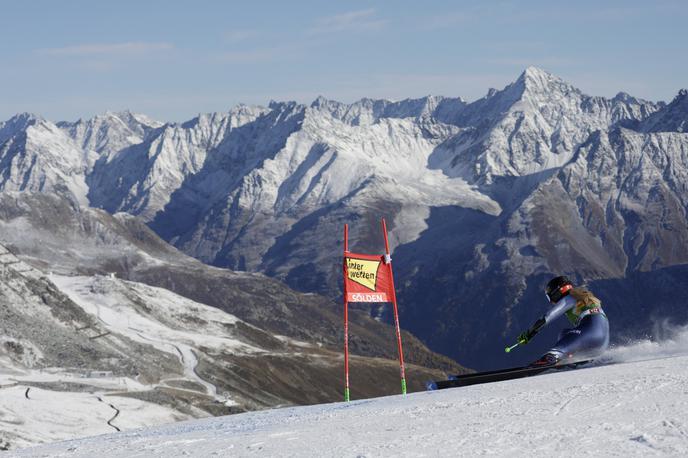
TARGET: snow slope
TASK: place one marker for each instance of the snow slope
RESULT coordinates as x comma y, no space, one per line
45,397
35,415
631,408
85,355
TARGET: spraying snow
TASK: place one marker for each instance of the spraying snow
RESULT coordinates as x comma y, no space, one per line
674,342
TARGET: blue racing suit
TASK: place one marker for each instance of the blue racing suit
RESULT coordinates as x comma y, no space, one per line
588,338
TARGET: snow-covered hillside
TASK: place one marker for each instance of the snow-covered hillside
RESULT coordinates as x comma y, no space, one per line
166,359
123,354
142,353
53,234
635,407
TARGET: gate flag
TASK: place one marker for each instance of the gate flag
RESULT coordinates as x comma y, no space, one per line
368,278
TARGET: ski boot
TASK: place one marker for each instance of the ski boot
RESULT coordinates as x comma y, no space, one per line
551,358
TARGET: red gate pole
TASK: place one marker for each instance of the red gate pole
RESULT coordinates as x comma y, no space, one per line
346,318
396,310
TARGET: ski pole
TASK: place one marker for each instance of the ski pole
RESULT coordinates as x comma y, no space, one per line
508,349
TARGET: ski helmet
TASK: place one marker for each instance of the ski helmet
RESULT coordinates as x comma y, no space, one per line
557,288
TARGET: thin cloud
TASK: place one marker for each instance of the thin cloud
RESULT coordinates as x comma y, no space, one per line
284,52
528,61
351,21
251,56
239,35
107,49
532,46
446,20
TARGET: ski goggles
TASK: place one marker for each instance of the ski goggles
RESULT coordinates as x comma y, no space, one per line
556,295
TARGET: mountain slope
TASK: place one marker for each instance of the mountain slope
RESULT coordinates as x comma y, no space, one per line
323,172
670,119
152,355
35,155
139,178
54,234
530,126
167,353
616,211
109,133
148,355
630,409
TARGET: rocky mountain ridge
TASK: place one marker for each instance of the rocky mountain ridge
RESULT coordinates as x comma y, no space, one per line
532,180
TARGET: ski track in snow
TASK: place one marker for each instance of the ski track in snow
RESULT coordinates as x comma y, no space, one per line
185,353
114,417
631,409
188,359
47,416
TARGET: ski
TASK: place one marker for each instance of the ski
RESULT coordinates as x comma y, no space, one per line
499,375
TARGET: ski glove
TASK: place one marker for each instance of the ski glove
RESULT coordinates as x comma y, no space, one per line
526,336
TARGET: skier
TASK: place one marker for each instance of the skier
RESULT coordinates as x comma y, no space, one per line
588,338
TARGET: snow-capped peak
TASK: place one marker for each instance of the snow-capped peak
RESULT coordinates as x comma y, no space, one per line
321,101
23,118
624,97
17,123
671,118
537,74
367,111
134,120
538,82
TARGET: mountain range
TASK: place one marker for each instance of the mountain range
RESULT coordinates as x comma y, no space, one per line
485,200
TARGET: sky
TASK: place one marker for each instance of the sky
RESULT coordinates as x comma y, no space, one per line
172,60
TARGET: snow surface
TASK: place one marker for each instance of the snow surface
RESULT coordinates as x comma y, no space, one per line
33,415
629,408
